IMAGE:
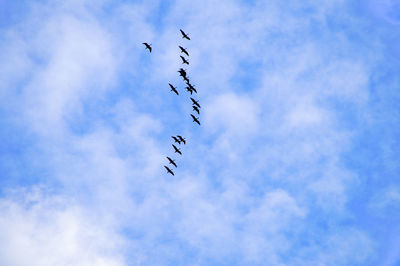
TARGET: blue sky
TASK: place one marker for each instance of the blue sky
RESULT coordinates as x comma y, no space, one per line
295,162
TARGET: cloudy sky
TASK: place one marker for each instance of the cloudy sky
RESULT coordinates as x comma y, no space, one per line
296,161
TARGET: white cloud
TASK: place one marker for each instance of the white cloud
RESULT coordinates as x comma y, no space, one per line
234,114
36,229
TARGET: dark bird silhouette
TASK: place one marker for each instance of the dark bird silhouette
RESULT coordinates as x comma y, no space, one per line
195,102
191,87
176,139
184,35
169,170
186,79
176,149
182,72
183,50
184,61
189,90
173,89
196,109
195,119
147,46
182,139
172,162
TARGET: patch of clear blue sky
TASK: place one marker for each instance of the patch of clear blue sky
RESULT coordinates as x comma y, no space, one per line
12,12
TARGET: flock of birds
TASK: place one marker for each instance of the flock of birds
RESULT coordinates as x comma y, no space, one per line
195,104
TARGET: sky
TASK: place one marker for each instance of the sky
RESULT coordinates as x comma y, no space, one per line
295,162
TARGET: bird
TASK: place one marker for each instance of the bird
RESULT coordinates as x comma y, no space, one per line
182,72
169,170
183,50
189,90
182,139
195,102
176,139
195,119
186,79
184,61
147,46
172,162
176,149
196,109
184,36
191,87
173,89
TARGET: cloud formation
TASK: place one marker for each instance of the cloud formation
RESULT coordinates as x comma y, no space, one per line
279,173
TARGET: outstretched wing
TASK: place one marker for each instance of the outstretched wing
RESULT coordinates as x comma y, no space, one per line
169,170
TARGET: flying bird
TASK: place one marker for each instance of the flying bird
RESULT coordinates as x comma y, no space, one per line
182,139
196,109
189,90
184,35
169,170
176,149
184,61
195,119
176,139
147,46
173,89
192,87
186,79
183,50
182,72
195,102
172,162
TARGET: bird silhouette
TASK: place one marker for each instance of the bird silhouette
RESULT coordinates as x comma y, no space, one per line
173,89
172,162
182,139
169,170
182,72
195,119
186,79
176,149
189,90
183,50
192,87
147,46
176,139
184,61
195,102
196,109
184,35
